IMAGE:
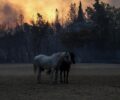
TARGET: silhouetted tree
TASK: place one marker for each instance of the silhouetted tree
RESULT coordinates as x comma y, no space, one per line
57,24
72,12
81,17
40,29
100,28
99,17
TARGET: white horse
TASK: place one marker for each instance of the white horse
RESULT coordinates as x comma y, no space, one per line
49,63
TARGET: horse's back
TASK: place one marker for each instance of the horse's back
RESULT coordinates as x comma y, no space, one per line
43,60
48,61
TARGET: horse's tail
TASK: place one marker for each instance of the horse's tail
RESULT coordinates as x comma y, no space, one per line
34,68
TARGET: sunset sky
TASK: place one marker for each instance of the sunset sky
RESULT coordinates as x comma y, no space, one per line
11,9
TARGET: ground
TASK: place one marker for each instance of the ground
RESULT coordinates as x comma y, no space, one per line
87,82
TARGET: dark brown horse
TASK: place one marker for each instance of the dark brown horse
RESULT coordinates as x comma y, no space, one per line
64,68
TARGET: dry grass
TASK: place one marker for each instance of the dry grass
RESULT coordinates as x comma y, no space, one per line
81,87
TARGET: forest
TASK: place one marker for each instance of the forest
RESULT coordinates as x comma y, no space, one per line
93,35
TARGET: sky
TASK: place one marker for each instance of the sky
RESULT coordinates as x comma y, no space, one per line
11,9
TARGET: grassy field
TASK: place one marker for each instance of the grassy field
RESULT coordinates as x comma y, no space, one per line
87,82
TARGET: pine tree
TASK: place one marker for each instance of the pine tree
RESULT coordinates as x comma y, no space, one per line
72,12
57,23
57,16
80,17
101,21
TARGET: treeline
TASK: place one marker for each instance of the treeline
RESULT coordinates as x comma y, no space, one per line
99,25
93,34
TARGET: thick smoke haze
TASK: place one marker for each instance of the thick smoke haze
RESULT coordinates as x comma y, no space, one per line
115,2
8,13
11,9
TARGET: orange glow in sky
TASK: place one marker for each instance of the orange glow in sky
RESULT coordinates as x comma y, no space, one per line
29,8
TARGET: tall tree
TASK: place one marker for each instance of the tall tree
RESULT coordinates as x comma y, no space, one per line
81,17
99,17
57,24
72,12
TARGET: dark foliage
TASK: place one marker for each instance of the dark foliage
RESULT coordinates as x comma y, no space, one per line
99,32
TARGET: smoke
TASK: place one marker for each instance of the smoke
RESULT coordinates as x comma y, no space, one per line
29,8
115,3
11,9
8,13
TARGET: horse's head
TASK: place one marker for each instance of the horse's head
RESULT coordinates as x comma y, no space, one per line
70,57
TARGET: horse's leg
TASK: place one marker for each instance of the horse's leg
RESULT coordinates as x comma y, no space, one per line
61,79
67,76
52,72
56,75
64,75
39,76
34,68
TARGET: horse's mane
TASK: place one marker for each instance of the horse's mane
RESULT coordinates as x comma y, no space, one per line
58,54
